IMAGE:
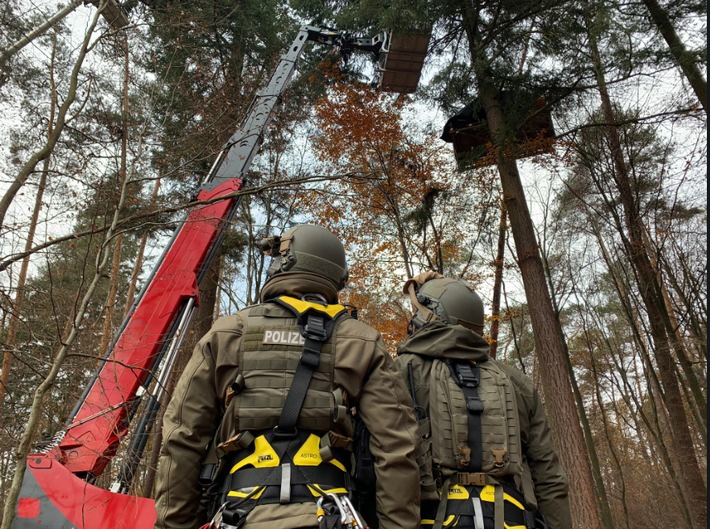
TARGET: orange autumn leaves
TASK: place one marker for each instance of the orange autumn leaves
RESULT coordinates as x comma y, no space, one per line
385,174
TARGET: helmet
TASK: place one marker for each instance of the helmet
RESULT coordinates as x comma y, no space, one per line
307,248
453,302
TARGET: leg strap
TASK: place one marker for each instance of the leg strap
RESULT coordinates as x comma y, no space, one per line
443,502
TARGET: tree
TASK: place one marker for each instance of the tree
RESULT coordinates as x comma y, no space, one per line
396,206
109,9
686,60
630,212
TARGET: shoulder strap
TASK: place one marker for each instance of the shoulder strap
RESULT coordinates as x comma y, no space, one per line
315,323
423,453
418,410
467,376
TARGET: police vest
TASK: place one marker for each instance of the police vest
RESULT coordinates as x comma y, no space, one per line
294,434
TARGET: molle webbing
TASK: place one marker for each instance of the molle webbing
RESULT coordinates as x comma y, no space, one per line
474,414
268,373
270,357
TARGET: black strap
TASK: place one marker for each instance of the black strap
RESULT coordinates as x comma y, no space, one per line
364,475
316,330
467,376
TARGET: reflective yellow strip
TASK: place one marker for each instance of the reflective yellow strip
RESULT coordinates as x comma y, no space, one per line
449,520
426,521
263,456
248,493
303,306
488,494
513,501
316,490
337,464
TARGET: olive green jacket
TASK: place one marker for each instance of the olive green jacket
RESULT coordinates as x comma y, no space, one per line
544,480
367,376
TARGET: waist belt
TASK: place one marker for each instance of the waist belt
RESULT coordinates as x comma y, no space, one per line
324,476
478,507
286,483
285,470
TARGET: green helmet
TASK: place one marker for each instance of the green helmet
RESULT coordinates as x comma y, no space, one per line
453,302
307,248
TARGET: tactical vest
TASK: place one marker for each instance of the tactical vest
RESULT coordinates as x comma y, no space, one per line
474,413
294,435
271,350
470,448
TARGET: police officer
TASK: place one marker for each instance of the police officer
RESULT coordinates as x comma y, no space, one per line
447,327
270,389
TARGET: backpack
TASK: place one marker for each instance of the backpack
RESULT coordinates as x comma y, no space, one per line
468,415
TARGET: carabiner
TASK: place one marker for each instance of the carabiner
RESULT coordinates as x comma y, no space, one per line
343,513
359,522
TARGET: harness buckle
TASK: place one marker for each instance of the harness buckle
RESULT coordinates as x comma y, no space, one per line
228,518
315,328
466,375
479,479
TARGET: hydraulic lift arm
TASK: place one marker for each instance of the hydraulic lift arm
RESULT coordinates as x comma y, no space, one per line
57,491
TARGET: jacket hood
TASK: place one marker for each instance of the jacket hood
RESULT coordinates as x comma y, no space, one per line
438,340
296,284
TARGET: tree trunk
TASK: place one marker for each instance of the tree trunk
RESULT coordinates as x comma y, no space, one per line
38,31
698,402
138,266
595,465
36,410
652,382
684,59
22,277
498,279
549,340
43,153
111,298
110,306
606,513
